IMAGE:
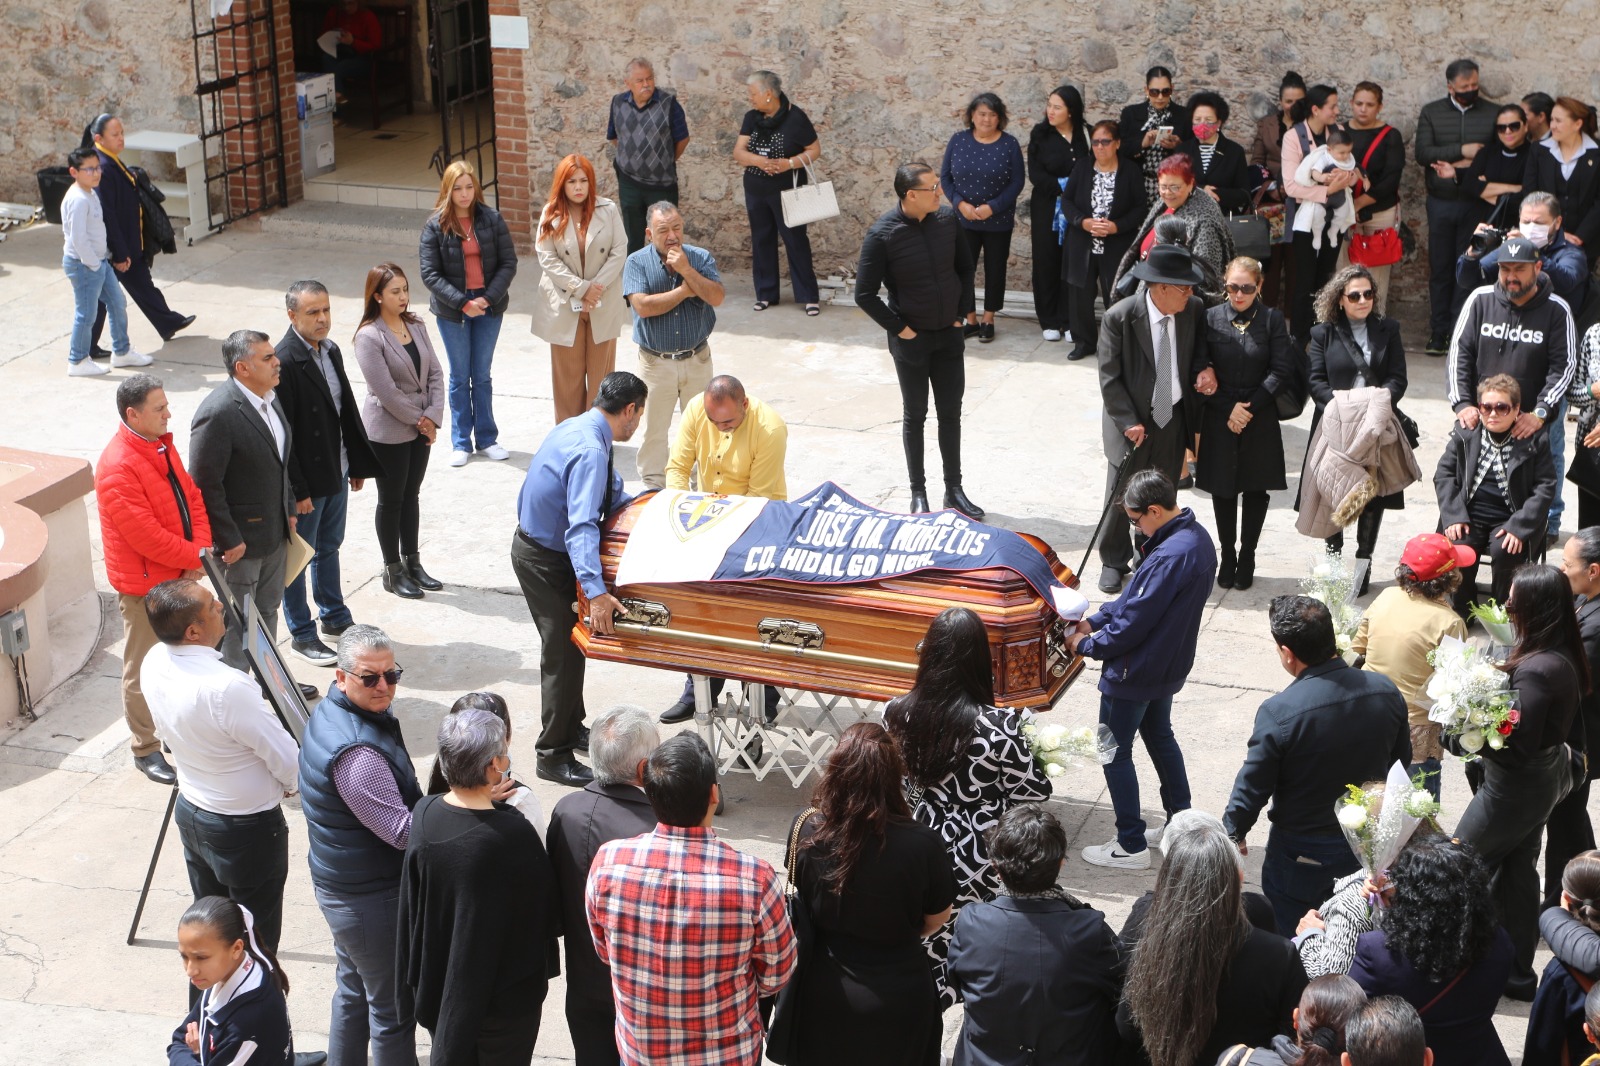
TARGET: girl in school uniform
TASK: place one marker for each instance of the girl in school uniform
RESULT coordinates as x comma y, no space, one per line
240,1017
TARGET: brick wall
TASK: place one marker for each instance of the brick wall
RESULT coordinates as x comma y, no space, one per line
512,180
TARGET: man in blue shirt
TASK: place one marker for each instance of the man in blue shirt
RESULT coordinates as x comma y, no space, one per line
570,488
672,288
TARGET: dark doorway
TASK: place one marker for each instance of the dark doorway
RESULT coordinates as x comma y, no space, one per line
241,117
463,82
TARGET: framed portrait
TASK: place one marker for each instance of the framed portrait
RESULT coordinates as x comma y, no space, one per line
217,571
283,692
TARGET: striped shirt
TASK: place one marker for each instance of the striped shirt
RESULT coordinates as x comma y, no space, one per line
695,933
684,327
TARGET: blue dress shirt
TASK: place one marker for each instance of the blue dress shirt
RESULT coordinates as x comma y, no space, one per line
560,500
685,326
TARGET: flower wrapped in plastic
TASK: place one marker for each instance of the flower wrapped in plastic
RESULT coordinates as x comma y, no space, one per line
1058,748
1378,821
1495,621
1472,697
1333,583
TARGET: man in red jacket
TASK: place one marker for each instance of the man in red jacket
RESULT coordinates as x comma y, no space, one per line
152,527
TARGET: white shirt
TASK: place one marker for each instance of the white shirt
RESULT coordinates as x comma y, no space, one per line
324,361
1156,318
83,227
263,407
231,753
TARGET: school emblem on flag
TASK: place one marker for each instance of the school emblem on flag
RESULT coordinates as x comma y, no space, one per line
695,512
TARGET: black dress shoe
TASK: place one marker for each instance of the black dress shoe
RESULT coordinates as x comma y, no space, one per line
1078,352
1521,989
971,329
1110,579
97,352
412,565
954,497
156,768
334,631
310,1058
568,771
919,503
985,332
582,743
397,581
188,320
310,693
681,711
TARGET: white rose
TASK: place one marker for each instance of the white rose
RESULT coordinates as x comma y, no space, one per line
1420,801
1352,817
1053,770
1496,741
1472,740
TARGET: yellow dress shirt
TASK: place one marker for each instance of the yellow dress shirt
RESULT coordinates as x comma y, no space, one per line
746,462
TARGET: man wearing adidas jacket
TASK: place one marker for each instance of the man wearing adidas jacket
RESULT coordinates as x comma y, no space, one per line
1520,327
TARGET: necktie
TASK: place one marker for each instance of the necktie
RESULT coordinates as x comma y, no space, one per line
605,501
1161,402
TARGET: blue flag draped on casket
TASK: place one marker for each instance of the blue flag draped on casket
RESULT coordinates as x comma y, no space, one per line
826,537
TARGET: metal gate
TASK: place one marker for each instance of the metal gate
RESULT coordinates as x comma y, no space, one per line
241,114
463,85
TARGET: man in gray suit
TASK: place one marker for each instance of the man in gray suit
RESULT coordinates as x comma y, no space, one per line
1153,368
239,444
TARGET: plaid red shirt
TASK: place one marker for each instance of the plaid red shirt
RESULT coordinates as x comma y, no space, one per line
694,932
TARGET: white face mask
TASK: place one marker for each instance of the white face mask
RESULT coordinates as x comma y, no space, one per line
1537,232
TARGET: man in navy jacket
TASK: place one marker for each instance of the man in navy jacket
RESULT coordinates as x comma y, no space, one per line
1333,726
1146,639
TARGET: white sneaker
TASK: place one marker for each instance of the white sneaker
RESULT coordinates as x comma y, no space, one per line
131,357
1112,855
86,369
459,457
1153,835
1052,334
1066,335
495,452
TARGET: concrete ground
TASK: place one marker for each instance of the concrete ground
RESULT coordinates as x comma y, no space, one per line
77,822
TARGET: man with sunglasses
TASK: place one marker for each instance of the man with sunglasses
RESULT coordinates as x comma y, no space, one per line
357,788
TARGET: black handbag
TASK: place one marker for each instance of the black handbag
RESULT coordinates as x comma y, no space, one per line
1296,391
1252,234
784,1033
1584,470
1408,426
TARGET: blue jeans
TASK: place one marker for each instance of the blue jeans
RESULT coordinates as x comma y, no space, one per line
323,529
1152,720
469,345
1557,428
90,288
366,1003
1299,871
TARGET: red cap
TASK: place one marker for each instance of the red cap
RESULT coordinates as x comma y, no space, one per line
1430,555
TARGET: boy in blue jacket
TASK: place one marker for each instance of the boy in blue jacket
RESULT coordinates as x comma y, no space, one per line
1146,641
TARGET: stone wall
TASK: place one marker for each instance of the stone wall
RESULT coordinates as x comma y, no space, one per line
64,63
886,82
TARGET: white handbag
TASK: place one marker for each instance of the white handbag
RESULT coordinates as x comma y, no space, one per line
805,204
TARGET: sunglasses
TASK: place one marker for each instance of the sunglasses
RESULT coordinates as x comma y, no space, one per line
1102,142
1507,127
371,680
1360,296
1159,92
1495,408
1242,290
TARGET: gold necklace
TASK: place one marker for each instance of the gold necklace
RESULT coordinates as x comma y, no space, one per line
1244,327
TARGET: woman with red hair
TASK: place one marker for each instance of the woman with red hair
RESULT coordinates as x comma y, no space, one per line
582,246
1209,239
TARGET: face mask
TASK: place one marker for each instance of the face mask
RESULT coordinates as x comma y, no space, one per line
1201,132
1537,232
1468,98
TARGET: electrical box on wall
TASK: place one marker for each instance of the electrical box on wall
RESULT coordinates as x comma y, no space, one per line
14,632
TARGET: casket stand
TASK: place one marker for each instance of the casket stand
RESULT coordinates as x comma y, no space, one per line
837,652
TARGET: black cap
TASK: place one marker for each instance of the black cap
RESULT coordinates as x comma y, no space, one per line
1518,250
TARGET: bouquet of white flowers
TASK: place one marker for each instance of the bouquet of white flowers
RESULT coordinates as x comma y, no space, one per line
1495,621
1332,582
1057,748
1377,822
1472,697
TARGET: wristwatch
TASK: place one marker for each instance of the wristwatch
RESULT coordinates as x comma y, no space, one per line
1541,414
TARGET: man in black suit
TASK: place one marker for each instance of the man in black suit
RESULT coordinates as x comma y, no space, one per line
1156,337
239,443
611,807
1333,726
1568,831
330,452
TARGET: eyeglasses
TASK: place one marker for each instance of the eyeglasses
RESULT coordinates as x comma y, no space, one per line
371,680
1102,142
1495,408
1133,519
88,170
1159,92
1170,190
1360,296
928,188
1242,290
1507,127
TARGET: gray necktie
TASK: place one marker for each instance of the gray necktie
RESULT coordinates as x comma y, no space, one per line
1161,402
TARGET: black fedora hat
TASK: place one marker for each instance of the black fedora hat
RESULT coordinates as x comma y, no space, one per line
1168,264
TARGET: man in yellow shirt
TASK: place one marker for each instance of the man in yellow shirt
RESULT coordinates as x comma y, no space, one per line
735,445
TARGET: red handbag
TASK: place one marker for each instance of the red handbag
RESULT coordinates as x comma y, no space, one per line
1383,247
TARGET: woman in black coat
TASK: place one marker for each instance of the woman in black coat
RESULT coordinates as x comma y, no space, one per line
1352,347
1220,167
1055,147
1525,777
468,261
1143,143
874,883
1241,444
1567,163
1103,206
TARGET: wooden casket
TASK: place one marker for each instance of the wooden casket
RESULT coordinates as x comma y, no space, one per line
857,640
